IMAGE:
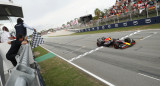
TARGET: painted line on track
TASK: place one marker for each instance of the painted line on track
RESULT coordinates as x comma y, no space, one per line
84,70
149,76
148,36
82,55
130,35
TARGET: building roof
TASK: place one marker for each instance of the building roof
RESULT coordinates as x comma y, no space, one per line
86,15
10,9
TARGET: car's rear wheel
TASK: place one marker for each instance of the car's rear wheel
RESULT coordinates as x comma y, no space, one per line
133,42
116,45
98,44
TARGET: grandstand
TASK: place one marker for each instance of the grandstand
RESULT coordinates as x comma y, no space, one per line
126,10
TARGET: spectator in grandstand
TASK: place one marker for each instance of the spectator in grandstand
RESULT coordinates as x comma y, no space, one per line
151,2
5,36
15,45
21,28
124,6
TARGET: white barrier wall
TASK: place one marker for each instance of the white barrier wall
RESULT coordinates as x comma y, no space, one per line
4,47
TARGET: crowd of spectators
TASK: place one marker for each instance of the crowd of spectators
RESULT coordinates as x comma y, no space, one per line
124,6
119,7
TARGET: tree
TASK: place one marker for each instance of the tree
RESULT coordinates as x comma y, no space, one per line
106,11
75,18
68,23
63,25
79,20
102,14
71,22
97,13
94,18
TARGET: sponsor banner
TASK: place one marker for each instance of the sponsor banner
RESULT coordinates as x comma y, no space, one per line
100,27
146,21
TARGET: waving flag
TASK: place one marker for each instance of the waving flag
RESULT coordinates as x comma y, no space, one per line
36,40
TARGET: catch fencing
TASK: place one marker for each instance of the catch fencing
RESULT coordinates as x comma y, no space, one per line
145,21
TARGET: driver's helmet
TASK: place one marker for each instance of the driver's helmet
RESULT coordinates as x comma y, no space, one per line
103,38
108,39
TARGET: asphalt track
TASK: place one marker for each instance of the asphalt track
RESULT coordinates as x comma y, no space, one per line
135,66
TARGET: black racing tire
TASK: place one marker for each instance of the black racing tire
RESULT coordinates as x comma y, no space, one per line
108,43
116,45
98,44
122,46
133,42
127,40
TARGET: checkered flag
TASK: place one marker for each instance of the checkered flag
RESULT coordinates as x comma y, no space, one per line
36,40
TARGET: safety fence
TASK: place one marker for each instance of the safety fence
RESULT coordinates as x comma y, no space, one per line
130,15
145,21
24,73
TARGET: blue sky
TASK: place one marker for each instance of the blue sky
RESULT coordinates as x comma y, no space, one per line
43,14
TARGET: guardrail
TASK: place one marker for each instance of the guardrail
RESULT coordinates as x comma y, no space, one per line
23,74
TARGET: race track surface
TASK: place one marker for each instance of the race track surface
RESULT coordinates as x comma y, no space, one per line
135,66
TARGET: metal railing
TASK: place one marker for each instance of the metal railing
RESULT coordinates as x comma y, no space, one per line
22,74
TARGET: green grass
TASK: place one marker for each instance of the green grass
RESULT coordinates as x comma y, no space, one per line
39,50
57,72
142,27
153,26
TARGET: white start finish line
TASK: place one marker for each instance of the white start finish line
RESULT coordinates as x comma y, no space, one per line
86,54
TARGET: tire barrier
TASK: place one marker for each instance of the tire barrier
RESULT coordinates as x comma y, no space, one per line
146,21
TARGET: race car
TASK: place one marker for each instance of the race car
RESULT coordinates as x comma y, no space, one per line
116,43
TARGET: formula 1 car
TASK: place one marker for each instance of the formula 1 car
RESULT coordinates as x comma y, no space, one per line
116,43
